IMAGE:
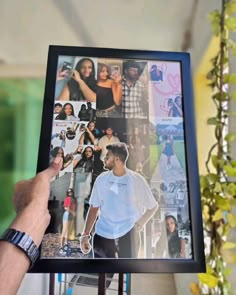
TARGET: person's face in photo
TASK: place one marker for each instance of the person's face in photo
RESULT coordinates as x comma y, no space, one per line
103,75
170,224
89,105
88,153
57,109
86,69
60,153
91,126
132,73
109,132
109,161
68,110
178,101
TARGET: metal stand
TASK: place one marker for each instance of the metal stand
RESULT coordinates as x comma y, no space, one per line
103,283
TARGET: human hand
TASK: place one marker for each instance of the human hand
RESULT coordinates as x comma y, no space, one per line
62,74
37,189
30,201
117,78
138,226
85,245
76,76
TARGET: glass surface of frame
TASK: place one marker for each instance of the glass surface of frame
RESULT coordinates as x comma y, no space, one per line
127,198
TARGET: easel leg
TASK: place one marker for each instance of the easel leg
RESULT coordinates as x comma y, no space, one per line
121,284
51,283
102,284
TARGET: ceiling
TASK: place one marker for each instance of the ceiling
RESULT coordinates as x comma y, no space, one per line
28,27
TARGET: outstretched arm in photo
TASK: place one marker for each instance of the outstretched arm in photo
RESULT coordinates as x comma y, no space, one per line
89,223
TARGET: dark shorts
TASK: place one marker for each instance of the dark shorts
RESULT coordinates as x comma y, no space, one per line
124,247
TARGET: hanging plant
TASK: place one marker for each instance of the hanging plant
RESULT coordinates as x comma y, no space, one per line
218,190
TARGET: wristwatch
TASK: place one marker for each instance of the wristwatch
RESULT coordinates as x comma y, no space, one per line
23,241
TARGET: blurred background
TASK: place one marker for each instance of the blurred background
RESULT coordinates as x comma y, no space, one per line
28,27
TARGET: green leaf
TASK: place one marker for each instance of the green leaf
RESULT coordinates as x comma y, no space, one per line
228,245
204,182
212,177
231,189
230,23
218,188
233,163
230,8
231,171
227,271
214,160
226,78
210,280
214,18
224,96
230,137
218,215
212,121
232,78
231,219
222,204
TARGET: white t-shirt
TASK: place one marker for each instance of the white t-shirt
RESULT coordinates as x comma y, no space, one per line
122,201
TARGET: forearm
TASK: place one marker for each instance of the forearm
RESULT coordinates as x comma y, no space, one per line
117,93
13,266
13,262
64,93
87,92
146,216
90,220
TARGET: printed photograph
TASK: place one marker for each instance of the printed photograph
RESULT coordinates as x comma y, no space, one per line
122,191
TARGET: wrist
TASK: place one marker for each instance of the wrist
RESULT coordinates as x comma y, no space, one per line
85,233
34,221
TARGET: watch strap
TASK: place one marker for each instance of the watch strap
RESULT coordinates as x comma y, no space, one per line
23,241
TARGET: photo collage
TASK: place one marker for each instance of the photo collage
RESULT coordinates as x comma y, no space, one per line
122,191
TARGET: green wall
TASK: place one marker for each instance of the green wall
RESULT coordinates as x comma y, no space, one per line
20,120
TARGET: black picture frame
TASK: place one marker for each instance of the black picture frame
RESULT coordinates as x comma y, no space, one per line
196,262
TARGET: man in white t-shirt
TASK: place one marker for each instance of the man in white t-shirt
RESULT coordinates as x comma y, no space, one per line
120,205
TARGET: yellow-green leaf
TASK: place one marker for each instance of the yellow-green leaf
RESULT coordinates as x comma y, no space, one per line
231,219
231,171
232,78
230,8
230,137
230,23
229,245
231,189
223,204
209,280
227,271
212,177
233,163
204,182
218,188
212,121
218,215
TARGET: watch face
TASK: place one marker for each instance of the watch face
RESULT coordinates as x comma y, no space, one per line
23,241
